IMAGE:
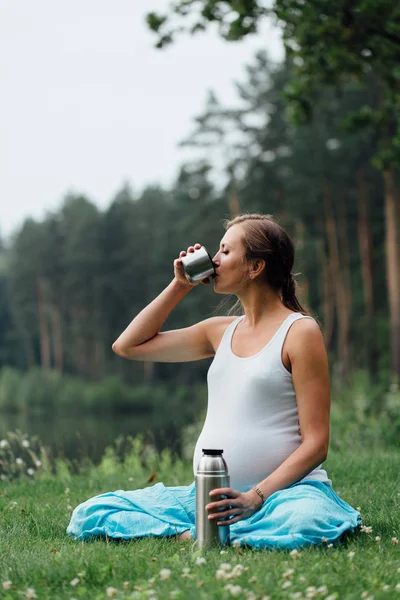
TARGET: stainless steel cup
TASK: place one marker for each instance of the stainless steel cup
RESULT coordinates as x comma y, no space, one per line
198,265
212,473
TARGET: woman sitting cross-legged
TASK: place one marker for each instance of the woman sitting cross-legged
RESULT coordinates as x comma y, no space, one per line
268,405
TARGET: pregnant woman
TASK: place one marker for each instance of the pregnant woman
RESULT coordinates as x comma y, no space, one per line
268,405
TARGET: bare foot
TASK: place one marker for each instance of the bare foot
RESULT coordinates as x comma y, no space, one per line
184,536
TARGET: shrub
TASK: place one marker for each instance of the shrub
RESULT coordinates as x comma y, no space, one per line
21,456
10,380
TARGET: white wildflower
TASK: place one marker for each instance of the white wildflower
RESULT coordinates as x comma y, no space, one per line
324,540
237,570
311,591
175,593
220,574
378,539
151,580
286,584
358,508
330,546
322,589
397,586
234,590
66,491
7,583
302,579
294,553
225,566
38,463
253,579
351,555
236,544
30,593
395,540
185,573
19,461
200,560
385,587
296,595
224,552
3,443
331,597
165,574
30,472
151,593
266,598
25,443
111,592
75,581
249,595
288,573
135,595
366,529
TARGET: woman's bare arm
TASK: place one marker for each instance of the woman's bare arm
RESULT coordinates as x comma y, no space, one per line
142,339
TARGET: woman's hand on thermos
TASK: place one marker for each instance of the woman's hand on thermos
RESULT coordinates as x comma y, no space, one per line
235,507
179,272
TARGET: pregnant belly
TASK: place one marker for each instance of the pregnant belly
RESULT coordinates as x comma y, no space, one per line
250,458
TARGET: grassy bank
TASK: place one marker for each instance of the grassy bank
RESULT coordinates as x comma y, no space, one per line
37,559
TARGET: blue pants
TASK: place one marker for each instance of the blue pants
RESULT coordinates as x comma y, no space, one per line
306,513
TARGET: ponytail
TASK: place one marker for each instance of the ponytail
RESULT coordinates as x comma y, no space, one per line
289,297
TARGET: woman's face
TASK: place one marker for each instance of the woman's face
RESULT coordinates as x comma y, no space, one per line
231,267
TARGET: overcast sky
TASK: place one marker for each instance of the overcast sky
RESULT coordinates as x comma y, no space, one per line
88,103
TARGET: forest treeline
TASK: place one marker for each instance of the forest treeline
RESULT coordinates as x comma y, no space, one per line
71,282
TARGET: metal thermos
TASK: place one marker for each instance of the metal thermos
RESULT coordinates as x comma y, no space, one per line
212,473
198,265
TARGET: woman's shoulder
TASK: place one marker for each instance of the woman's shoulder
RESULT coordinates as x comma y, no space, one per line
304,329
216,327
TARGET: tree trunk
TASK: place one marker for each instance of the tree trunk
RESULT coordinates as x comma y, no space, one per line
44,334
79,344
365,245
304,287
234,206
392,269
344,261
148,371
328,297
57,338
338,282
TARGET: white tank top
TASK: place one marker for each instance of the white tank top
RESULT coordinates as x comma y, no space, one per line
252,411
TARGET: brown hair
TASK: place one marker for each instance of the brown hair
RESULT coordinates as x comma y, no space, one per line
265,239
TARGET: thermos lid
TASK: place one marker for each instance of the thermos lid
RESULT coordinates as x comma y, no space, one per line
212,452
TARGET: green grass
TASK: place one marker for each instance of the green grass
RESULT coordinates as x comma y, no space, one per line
35,551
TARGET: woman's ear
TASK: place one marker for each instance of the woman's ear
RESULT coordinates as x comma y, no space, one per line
257,267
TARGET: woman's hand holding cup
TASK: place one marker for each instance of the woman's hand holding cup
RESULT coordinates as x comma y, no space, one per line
180,273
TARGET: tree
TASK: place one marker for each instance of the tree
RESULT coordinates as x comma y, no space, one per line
330,43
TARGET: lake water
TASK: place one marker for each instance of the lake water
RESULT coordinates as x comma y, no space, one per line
75,437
